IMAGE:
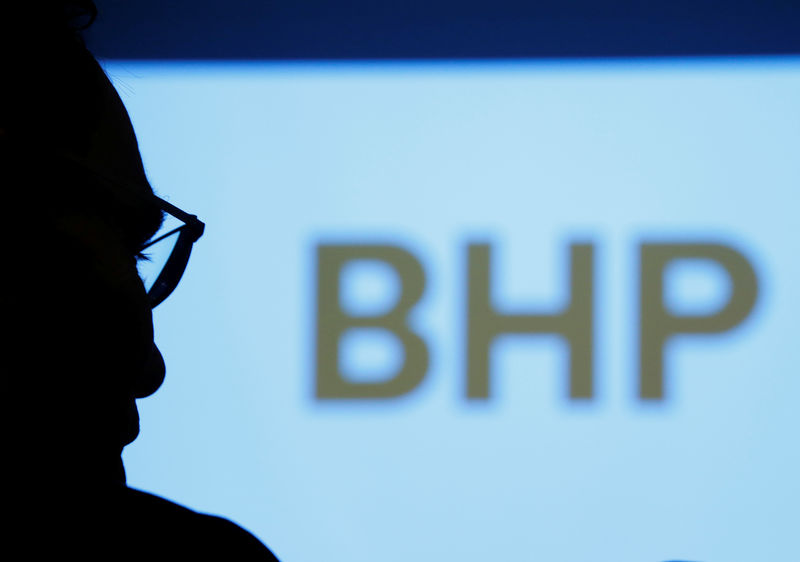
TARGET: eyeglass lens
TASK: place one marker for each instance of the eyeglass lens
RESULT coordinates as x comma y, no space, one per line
154,259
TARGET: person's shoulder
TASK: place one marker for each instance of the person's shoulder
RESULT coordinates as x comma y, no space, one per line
187,532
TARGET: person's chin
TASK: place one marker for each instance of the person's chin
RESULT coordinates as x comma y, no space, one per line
130,425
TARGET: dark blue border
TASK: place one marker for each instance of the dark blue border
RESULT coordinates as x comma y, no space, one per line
441,29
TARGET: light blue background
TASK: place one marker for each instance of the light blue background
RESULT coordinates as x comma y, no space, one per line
529,156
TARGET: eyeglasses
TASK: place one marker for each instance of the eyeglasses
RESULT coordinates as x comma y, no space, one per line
165,256
162,260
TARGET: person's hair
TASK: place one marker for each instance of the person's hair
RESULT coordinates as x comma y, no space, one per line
51,88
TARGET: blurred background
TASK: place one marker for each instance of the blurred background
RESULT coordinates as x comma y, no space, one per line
511,281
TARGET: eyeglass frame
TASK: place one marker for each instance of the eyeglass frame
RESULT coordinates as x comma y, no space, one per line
172,272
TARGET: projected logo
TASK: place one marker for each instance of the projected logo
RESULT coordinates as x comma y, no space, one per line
574,323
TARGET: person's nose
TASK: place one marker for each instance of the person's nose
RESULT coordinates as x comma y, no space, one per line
152,375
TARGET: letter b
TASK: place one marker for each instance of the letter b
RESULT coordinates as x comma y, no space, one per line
333,322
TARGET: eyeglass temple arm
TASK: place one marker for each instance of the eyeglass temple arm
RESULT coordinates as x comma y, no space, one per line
192,221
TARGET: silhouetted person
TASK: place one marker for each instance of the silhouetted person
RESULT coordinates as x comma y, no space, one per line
78,344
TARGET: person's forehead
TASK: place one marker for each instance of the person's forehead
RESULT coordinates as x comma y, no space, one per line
114,153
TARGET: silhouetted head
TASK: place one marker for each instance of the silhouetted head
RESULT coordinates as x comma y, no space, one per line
78,208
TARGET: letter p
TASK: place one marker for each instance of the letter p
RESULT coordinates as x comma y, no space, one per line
657,324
